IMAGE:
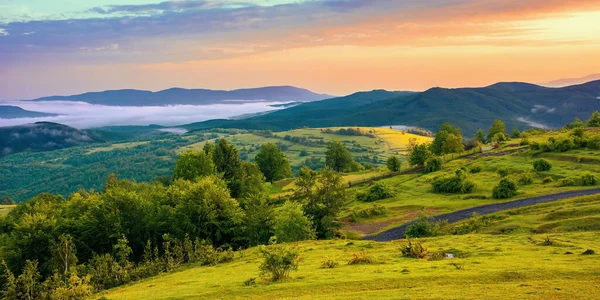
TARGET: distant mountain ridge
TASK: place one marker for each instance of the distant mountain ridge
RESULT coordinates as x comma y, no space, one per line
516,103
15,112
571,81
180,96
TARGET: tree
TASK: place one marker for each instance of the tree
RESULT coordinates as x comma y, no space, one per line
191,165
273,163
453,144
64,255
505,189
496,128
28,285
418,155
305,183
279,261
337,157
259,219
441,137
394,163
326,203
515,133
9,289
480,136
226,159
577,123
291,225
433,164
594,120
251,182
5,200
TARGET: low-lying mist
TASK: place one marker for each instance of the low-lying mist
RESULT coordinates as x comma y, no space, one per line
84,115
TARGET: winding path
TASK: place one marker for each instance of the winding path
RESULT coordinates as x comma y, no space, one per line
397,233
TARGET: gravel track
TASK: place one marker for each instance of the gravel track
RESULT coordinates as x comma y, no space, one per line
397,233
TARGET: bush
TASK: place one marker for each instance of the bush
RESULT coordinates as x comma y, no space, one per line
303,153
378,191
567,182
525,178
424,227
548,179
476,169
458,184
376,210
393,164
524,142
589,180
328,263
589,252
361,258
414,250
503,172
473,224
541,165
433,164
279,261
505,189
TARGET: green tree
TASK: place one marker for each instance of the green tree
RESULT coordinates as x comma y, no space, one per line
28,283
337,157
191,165
279,261
226,159
305,183
577,123
258,220
394,163
505,189
453,144
594,120
418,155
515,133
291,225
273,163
64,255
251,182
9,289
326,202
480,136
497,127
441,137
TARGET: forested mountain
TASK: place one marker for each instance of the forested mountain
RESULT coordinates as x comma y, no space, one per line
45,136
14,112
191,96
519,104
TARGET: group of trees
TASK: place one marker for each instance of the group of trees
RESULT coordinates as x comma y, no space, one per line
213,202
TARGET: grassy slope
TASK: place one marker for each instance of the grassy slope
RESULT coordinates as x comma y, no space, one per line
4,209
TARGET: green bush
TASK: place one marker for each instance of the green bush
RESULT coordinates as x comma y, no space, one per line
424,227
503,172
361,258
548,179
378,191
376,210
393,163
457,184
476,169
524,142
328,263
542,165
279,261
505,189
414,250
433,164
525,178
567,182
589,179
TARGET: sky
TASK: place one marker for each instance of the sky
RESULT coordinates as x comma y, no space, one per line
62,47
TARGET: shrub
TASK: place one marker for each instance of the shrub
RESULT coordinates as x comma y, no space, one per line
567,182
473,224
505,189
525,178
378,191
433,164
328,263
458,184
303,153
589,252
589,179
548,179
250,282
279,261
524,142
535,146
361,258
292,225
503,172
542,165
376,210
425,227
414,250
476,169
394,163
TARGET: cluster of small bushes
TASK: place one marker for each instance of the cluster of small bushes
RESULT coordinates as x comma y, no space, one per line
414,250
425,227
377,191
473,224
433,164
457,184
367,213
587,179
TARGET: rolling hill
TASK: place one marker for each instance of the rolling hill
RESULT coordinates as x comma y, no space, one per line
15,112
191,96
518,104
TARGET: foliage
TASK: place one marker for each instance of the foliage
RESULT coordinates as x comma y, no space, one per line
594,120
258,220
448,139
577,123
457,184
191,165
393,163
377,191
480,136
567,182
337,157
498,127
589,179
328,263
476,169
425,227
226,159
291,225
367,213
525,178
515,133
524,142
361,258
433,164
273,163
279,261
506,188
547,179
414,250
418,155
541,165
5,200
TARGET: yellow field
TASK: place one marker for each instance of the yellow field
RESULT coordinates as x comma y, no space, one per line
397,141
4,209
116,146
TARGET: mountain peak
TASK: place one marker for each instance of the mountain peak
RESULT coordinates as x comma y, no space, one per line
516,86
